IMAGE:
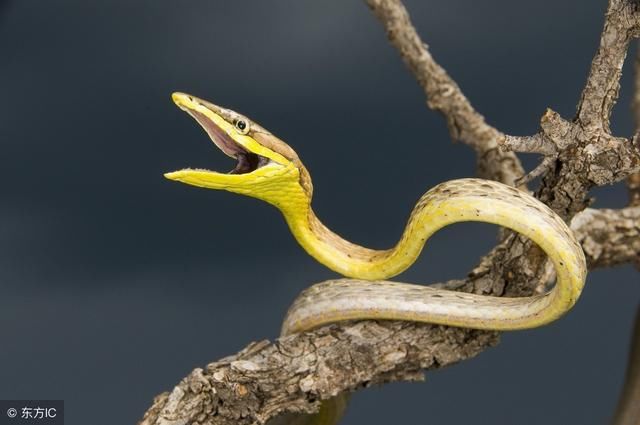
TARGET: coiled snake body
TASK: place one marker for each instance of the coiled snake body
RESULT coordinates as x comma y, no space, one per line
270,170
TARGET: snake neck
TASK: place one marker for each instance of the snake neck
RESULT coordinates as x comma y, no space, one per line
347,258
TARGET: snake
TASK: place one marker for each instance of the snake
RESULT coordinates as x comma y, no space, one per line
270,170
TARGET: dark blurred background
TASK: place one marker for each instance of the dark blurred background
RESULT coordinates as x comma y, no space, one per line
115,282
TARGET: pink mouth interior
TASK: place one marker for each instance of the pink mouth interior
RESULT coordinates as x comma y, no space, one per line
247,161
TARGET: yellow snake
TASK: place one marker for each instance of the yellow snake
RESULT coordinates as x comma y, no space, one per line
268,169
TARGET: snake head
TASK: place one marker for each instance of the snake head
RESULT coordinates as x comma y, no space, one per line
266,168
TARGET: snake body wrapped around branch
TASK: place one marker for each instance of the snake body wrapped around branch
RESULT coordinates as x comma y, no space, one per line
270,170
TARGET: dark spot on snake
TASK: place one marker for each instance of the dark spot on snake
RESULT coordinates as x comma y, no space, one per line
436,296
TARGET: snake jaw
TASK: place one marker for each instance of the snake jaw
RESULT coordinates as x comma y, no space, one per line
263,161
222,133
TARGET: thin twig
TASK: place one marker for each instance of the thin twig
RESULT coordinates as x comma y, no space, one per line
530,144
543,168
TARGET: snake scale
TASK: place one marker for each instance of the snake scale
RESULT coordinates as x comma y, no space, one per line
268,169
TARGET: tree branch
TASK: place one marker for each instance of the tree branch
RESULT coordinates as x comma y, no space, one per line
444,95
609,237
601,91
295,373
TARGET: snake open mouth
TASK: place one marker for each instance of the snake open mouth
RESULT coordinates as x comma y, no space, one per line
247,161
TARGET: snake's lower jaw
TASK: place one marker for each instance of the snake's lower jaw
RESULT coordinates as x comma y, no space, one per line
235,181
200,178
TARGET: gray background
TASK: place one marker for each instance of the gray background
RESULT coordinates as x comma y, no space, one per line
115,282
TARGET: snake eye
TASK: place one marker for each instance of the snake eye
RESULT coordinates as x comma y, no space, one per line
242,126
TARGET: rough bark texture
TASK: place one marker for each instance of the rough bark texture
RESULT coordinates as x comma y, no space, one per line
294,373
609,237
267,378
